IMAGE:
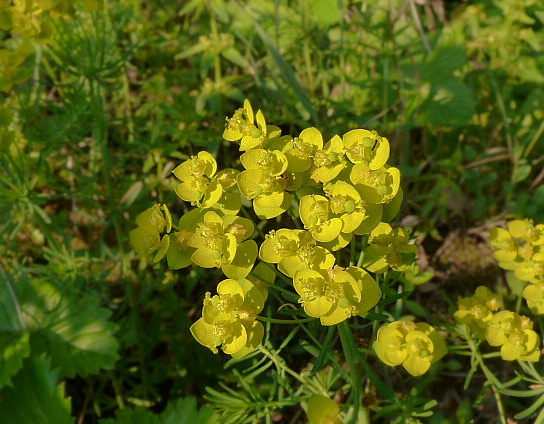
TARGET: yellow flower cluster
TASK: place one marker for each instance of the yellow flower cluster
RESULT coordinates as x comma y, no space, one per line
414,345
338,190
520,249
229,318
509,330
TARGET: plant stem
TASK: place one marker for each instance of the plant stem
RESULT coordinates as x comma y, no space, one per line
310,383
494,383
352,358
285,321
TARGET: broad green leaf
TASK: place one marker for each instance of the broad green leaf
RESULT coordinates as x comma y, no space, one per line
182,411
35,396
442,62
522,172
186,411
179,253
451,103
74,331
14,347
191,51
136,416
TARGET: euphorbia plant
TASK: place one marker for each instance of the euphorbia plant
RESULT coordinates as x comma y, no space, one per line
316,215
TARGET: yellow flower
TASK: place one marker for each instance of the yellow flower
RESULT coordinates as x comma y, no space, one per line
366,148
263,182
336,294
241,127
476,311
415,346
513,332
389,247
229,318
329,161
221,242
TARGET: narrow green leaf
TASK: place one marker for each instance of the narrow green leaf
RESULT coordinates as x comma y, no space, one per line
286,70
234,56
531,410
191,51
324,351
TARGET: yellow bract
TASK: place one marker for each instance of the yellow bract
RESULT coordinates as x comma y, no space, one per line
415,346
509,330
322,410
389,247
337,293
520,249
514,334
221,242
229,318
476,311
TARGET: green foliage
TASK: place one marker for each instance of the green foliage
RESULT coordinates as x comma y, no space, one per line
183,411
35,395
101,101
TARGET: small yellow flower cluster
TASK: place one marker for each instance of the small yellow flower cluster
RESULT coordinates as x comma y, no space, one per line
415,346
511,331
343,188
521,250
345,184
229,318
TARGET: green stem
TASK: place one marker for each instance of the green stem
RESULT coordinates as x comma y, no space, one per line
13,297
36,74
532,143
312,384
285,321
352,358
363,249
246,214
117,390
493,382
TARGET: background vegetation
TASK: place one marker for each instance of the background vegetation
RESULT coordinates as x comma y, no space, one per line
100,101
